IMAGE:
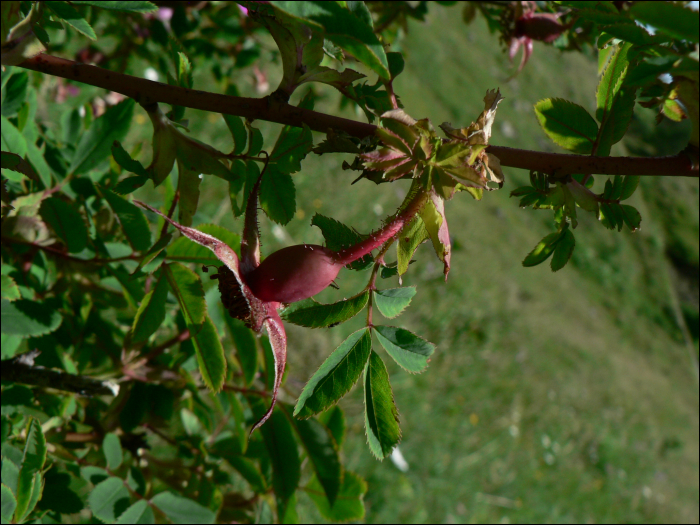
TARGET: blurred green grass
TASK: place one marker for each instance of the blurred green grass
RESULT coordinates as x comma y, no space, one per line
566,397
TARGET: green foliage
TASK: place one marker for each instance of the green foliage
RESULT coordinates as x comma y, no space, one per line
381,416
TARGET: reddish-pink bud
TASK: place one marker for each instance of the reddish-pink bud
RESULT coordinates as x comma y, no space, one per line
294,273
544,27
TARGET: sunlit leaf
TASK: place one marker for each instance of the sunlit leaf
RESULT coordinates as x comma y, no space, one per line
543,250
65,220
381,415
246,348
343,29
392,302
29,481
277,195
563,251
674,20
182,510
139,512
348,505
411,352
339,236
70,16
336,376
632,217
567,124
112,449
109,499
130,6
311,314
409,239
96,143
29,318
131,219
323,453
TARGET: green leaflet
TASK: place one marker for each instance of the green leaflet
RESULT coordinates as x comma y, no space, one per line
435,222
334,419
292,146
336,375
187,288
344,29
125,161
70,16
109,499
131,219
133,289
408,350
11,140
29,479
611,81
238,133
348,505
311,314
322,450
412,235
563,251
674,20
65,220
155,255
10,291
284,454
543,250
96,143
629,185
392,302
139,512
246,347
9,504
567,124
615,100
210,355
278,195
188,187
339,236
14,92
381,415
182,510
112,450
631,216
135,6
249,470
29,318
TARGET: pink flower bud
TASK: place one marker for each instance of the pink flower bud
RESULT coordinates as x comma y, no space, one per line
544,27
294,273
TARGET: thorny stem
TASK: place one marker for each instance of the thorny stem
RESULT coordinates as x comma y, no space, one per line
393,227
147,91
378,261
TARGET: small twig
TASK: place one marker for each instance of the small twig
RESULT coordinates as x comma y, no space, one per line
21,369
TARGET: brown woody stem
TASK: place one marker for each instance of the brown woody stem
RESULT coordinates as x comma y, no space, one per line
147,91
